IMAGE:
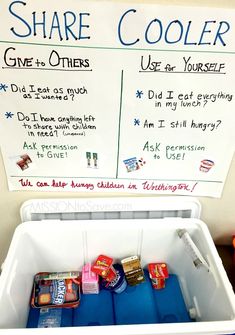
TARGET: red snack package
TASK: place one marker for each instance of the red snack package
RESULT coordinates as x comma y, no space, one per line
103,267
158,272
57,292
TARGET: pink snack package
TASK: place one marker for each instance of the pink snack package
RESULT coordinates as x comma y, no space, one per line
90,280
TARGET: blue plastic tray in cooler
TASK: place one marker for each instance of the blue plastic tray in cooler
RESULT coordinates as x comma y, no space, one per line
136,305
95,310
139,304
170,303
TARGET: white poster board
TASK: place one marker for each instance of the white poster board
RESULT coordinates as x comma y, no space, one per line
104,96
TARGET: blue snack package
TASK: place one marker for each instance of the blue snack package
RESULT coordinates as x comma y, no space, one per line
118,284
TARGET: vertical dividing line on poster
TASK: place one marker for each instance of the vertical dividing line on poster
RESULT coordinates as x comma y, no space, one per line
119,122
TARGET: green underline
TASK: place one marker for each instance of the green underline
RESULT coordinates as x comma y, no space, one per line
117,48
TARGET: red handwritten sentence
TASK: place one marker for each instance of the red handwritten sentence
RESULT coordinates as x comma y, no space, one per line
146,186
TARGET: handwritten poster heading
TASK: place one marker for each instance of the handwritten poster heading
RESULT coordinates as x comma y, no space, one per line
105,96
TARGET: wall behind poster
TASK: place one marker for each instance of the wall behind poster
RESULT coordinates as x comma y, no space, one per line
219,214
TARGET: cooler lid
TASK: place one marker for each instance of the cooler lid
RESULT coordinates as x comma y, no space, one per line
110,208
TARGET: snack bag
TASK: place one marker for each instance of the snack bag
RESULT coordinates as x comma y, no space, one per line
63,290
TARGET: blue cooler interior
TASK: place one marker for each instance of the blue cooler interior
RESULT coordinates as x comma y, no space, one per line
140,304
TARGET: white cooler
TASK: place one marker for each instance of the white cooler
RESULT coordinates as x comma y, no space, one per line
64,234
